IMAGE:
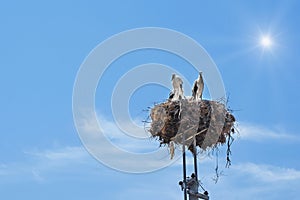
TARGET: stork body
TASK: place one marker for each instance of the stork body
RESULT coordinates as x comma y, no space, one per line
198,87
177,87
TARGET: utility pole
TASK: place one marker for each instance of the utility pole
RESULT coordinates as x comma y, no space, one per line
190,185
195,157
184,167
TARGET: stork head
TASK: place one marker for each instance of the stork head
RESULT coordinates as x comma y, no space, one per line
173,76
200,75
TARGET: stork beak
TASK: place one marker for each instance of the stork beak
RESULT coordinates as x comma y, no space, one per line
173,76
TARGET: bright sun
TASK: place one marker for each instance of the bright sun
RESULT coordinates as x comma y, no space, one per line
266,41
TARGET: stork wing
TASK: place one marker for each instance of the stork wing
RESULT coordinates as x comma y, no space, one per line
195,88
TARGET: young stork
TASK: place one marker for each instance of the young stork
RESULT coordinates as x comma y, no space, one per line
177,87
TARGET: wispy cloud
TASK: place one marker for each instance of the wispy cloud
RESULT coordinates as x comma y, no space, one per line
122,141
69,162
254,181
65,154
5,170
118,134
268,173
258,133
110,145
38,163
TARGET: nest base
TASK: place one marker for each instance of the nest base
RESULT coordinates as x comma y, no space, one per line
182,121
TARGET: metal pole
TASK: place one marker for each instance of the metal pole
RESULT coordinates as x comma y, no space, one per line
195,158
184,166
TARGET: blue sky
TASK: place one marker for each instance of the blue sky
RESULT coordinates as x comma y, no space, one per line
43,45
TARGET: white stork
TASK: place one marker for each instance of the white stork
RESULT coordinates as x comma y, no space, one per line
177,87
198,87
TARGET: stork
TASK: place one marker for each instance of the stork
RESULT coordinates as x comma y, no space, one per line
177,87
198,87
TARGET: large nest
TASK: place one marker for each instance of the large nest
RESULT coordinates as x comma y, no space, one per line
209,122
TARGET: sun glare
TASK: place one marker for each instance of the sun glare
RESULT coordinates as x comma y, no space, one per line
266,41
